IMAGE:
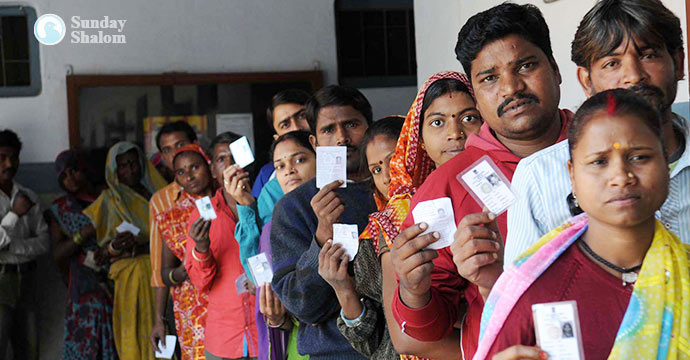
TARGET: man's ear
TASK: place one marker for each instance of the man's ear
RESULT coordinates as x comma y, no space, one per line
312,140
678,61
557,70
585,81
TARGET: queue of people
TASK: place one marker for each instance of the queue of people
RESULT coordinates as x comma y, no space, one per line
600,219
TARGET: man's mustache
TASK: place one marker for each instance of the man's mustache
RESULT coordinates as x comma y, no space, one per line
500,111
647,91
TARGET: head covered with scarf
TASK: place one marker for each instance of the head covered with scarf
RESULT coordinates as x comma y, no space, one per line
120,202
410,166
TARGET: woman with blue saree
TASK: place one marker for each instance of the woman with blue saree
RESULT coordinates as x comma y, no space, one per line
627,274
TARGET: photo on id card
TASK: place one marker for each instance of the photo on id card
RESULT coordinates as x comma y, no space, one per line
487,185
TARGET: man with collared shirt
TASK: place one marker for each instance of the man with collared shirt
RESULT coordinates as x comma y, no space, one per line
506,52
170,137
23,237
633,44
303,221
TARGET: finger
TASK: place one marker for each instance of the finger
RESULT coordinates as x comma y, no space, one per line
230,172
409,234
417,244
162,339
342,268
420,259
263,300
270,303
325,200
476,246
327,189
472,264
154,343
521,352
324,250
475,231
477,219
338,212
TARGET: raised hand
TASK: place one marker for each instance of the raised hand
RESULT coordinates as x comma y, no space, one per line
333,267
236,183
328,208
199,233
478,250
413,264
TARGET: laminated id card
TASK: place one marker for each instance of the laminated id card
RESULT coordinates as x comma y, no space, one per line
487,185
205,208
557,328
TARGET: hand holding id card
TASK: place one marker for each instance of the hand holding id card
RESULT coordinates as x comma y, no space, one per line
487,185
557,328
205,208
439,215
331,165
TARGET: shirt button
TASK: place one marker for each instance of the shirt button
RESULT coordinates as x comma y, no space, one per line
668,225
246,327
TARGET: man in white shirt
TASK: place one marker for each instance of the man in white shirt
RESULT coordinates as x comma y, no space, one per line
632,44
23,237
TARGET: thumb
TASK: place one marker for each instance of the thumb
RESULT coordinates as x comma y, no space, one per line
493,224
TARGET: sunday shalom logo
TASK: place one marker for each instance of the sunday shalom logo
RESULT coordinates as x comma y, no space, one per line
97,31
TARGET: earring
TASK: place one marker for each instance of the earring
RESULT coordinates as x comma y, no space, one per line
462,134
423,148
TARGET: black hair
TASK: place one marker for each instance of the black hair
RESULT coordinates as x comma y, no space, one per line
9,138
184,152
390,126
497,23
301,137
437,89
227,137
336,95
609,22
289,96
617,101
175,126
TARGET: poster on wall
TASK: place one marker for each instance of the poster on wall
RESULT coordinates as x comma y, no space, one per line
240,123
153,123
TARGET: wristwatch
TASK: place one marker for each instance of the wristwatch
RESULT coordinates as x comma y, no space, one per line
356,321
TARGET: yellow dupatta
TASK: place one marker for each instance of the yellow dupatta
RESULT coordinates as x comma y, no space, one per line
133,298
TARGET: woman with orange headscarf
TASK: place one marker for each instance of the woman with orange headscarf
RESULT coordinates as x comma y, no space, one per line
440,119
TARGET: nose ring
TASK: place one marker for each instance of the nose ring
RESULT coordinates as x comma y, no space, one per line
631,175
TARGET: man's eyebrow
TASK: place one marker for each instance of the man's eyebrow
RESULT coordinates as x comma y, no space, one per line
523,59
487,71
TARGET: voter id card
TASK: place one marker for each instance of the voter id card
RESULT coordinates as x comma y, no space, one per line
205,208
242,152
557,328
487,185
438,214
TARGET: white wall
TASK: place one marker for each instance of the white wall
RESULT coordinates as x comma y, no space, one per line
437,24
180,35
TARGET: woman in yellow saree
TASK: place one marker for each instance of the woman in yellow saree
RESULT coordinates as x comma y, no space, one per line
131,180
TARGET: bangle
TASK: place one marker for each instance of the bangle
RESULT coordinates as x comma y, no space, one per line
77,238
197,258
112,251
172,278
356,321
268,323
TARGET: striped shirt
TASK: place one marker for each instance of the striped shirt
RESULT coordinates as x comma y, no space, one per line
163,200
541,185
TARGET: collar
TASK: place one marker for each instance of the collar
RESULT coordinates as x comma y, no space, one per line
682,125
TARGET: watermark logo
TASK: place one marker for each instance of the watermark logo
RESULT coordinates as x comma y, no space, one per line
49,29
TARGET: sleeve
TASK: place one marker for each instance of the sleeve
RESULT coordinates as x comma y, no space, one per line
155,245
261,179
524,226
247,233
201,268
98,213
8,222
295,261
39,241
367,336
435,320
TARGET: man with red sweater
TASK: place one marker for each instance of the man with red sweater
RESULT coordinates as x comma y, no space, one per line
506,52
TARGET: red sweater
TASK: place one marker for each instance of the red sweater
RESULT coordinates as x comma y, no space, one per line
230,318
601,304
449,290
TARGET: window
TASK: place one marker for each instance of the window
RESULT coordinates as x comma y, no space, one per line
376,43
19,66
